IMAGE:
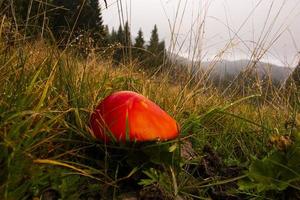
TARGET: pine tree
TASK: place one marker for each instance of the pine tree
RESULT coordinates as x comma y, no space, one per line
67,16
139,46
154,40
123,37
113,37
90,21
64,19
127,43
27,14
161,47
99,30
59,21
157,50
139,40
127,36
120,35
106,34
82,19
118,55
161,53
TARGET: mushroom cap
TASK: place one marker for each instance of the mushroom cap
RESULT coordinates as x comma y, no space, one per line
130,116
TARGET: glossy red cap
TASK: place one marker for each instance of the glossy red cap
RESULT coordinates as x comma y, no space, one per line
130,116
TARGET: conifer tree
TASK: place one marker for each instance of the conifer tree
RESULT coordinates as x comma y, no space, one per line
120,35
27,14
118,55
113,37
106,34
127,43
127,35
59,20
161,53
90,21
154,40
161,47
61,17
139,46
81,19
123,37
139,40
157,50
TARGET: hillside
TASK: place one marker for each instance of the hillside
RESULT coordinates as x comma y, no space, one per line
223,68
233,68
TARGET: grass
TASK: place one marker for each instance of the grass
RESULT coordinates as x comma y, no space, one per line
47,96
48,150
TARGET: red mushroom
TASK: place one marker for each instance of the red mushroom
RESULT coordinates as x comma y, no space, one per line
130,116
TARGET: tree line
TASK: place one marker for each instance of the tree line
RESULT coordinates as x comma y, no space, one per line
80,23
149,54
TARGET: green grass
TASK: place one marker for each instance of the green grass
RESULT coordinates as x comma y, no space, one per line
47,96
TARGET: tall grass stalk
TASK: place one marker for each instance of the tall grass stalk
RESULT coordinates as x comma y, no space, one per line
48,94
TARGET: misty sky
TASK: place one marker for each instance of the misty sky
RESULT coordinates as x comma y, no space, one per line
204,29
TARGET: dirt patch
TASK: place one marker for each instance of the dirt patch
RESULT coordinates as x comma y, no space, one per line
212,166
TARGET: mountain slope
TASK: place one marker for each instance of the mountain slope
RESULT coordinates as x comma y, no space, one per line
223,68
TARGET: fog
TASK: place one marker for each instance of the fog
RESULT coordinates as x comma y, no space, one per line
210,29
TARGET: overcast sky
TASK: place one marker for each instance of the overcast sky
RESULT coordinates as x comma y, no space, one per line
231,28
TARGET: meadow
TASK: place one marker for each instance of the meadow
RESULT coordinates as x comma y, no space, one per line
232,145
